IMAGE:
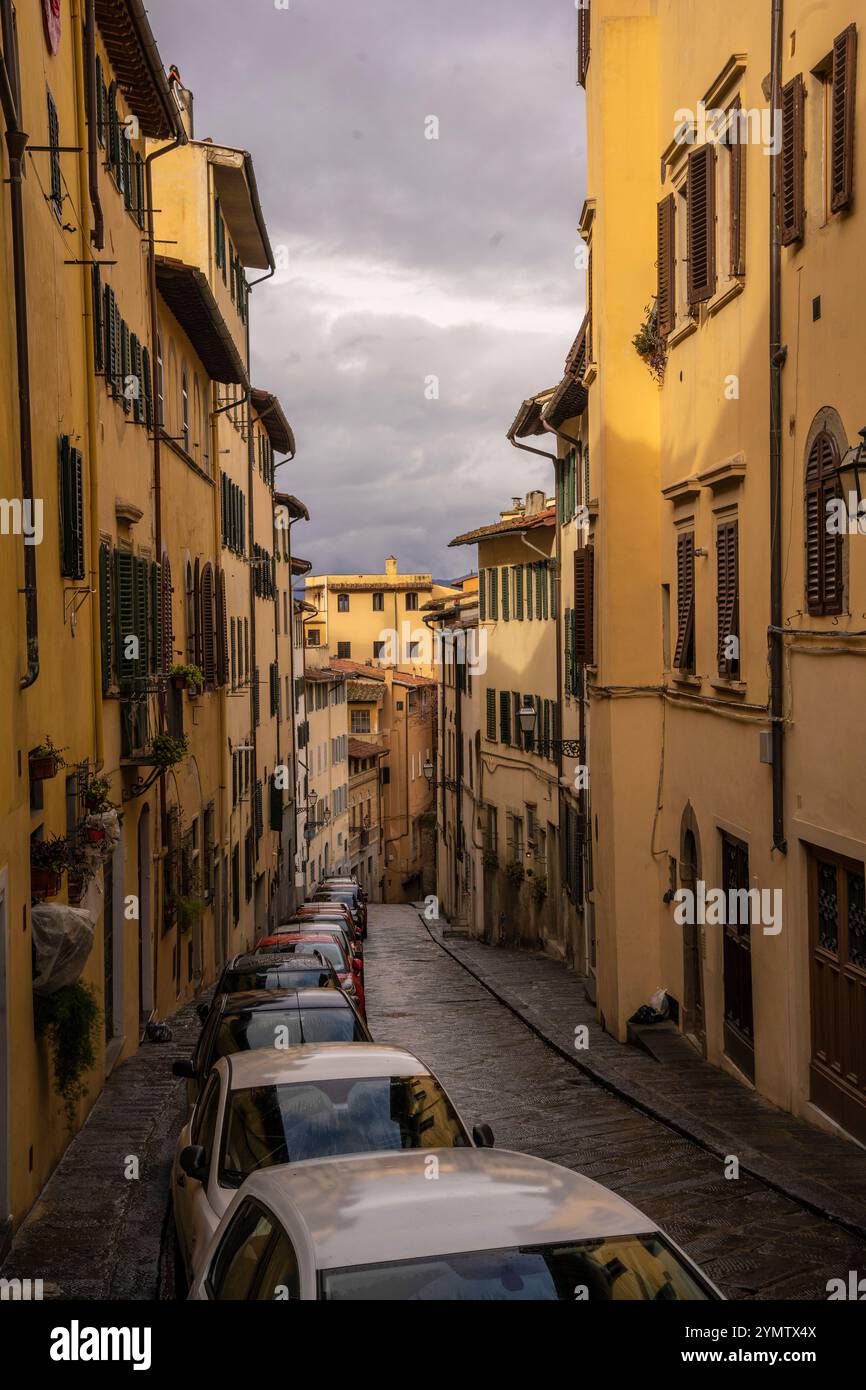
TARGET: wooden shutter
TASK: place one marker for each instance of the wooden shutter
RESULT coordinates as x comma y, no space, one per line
491,715
842,124
167,654
737,193
222,631
584,597
257,707
98,337
539,595
569,634
505,716
493,595
147,382
71,511
157,640
554,592
529,608
583,31
135,371
684,655
100,101
208,626
125,365
482,595
824,588
142,614
667,227
127,666
506,594
518,592
792,197
54,143
106,615
702,224
590,350
544,576
727,595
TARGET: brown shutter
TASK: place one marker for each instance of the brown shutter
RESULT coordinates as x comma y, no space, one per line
584,586
590,349
842,126
208,626
583,26
683,658
222,639
792,200
167,653
196,616
667,222
737,191
727,593
824,586
702,224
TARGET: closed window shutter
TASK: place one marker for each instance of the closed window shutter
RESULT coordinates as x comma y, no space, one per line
667,312
113,130
98,336
147,381
54,143
491,715
529,739
823,550
111,349
546,728
100,101
568,650
518,592
702,224
71,511
257,708
590,348
727,595
222,631
125,365
684,658
493,595
529,608
554,594
482,595
127,665
583,653
156,618
737,193
106,615
506,596
167,653
196,616
842,128
505,716
583,30
142,614
135,372
792,201
544,575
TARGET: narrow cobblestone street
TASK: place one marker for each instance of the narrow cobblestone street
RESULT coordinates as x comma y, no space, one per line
754,1242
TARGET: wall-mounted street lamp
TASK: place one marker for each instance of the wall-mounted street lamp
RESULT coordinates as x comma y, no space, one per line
527,718
849,469
429,772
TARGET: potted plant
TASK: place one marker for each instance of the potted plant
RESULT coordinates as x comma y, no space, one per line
48,859
187,675
46,761
188,910
96,798
94,834
539,890
168,751
80,872
650,346
515,873
490,859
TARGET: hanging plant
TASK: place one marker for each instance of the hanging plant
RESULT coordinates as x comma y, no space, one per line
70,1021
539,890
48,861
168,751
46,761
188,675
81,870
490,859
515,873
188,910
650,346
96,796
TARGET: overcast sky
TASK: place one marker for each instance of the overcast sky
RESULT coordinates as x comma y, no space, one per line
407,257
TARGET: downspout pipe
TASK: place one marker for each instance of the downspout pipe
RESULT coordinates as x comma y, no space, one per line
97,234
777,363
16,144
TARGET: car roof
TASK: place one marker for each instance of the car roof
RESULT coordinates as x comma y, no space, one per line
266,960
260,1000
305,1062
370,1208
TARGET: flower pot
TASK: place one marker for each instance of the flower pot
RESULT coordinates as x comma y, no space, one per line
178,682
95,835
45,883
43,768
76,889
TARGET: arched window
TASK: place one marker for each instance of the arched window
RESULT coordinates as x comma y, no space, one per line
184,398
208,627
823,547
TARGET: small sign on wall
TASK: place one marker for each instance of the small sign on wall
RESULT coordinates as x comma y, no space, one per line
51,15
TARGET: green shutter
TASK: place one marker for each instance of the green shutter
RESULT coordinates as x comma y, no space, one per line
482,595
569,647
147,385
125,365
505,716
124,566
142,614
506,596
539,579
491,715
56,195
544,576
554,594
106,625
529,613
156,643
71,511
493,595
98,337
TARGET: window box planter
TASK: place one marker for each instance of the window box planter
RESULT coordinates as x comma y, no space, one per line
95,834
45,883
76,888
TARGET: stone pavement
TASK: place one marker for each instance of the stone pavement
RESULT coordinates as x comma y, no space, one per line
696,1099
755,1242
93,1233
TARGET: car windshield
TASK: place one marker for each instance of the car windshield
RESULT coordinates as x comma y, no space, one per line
329,949
270,1125
619,1269
249,1029
333,896
271,977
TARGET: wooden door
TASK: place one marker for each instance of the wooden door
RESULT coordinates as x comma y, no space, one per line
837,929
739,1027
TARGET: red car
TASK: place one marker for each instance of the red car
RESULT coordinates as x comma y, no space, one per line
330,909
350,973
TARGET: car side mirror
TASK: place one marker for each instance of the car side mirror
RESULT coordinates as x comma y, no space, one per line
202,1010
193,1161
482,1136
184,1068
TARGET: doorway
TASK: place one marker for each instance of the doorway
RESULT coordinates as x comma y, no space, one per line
693,978
108,952
5,1194
145,939
837,947
739,1018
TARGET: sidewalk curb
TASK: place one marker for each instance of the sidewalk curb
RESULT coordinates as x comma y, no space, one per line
814,1197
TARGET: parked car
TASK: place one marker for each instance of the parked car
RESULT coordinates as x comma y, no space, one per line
265,1108
253,1019
251,971
347,885
493,1225
349,898
336,925
331,909
350,971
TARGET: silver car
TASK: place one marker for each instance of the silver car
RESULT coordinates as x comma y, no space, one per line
464,1223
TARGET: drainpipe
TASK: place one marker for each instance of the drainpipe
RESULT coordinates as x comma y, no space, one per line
97,235
16,143
777,363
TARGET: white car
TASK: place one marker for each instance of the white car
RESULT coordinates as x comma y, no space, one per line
467,1224
279,1105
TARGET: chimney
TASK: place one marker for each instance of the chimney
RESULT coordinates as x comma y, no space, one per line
391,567
535,503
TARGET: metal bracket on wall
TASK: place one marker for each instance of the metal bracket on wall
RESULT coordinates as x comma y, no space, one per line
73,598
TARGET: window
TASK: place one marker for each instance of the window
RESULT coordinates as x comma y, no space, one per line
360,721
235,1270
515,839
379,651
56,195
666,291
71,511
583,636
823,547
160,383
491,715
184,394
841,162
413,651
207,639
314,637
491,836
411,603
342,603
701,196
684,657
492,596
792,204
505,716
378,603
344,650
728,599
